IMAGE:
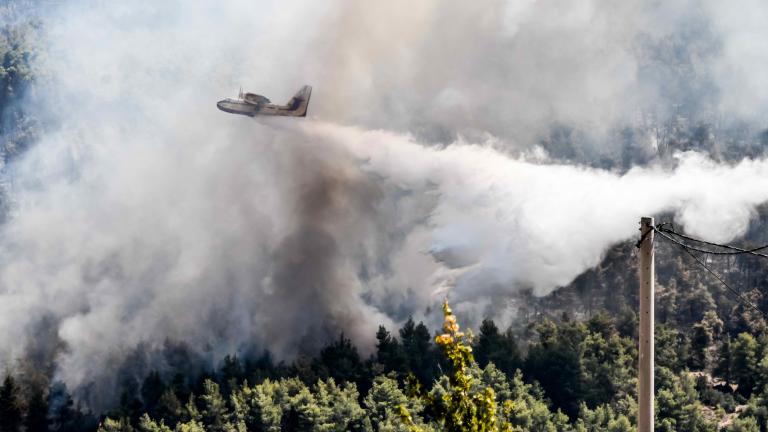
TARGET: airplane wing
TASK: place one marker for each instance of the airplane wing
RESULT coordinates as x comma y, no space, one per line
255,99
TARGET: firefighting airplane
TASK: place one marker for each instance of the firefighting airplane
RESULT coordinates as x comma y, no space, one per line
252,105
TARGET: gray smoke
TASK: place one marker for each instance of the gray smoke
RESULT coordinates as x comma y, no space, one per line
428,165
314,281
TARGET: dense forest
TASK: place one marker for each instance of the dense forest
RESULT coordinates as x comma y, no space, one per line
572,375
567,362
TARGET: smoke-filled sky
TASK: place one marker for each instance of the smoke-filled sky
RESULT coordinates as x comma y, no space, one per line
145,215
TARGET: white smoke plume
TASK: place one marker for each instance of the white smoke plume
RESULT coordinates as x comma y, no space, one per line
145,215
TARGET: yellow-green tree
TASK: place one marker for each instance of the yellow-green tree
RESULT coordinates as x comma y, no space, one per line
466,404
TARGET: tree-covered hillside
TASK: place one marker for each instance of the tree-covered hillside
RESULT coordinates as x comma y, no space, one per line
574,376
19,44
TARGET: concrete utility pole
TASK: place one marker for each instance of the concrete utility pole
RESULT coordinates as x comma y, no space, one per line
645,362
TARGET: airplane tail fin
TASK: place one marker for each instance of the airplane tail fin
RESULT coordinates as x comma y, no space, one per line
300,101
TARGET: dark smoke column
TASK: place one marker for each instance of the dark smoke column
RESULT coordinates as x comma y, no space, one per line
315,287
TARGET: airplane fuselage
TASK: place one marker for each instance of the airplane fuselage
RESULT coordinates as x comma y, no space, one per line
251,105
235,106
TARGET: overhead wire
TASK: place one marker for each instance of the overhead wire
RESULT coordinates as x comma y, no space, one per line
688,249
734,250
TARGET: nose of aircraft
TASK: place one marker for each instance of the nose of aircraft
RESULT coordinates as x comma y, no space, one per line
222,105
233,107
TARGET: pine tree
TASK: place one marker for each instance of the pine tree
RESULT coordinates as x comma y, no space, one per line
152,389
341,361
744,363
701,338
169,408
215,413
261,368
60,403
555,362
418,351
190,413
231,374
37,412
10,406
146,424
382,404
748,424
724,360
120,425
499,349
131,406
388,351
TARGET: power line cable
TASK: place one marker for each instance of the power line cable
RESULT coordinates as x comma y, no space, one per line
735,292
735,250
